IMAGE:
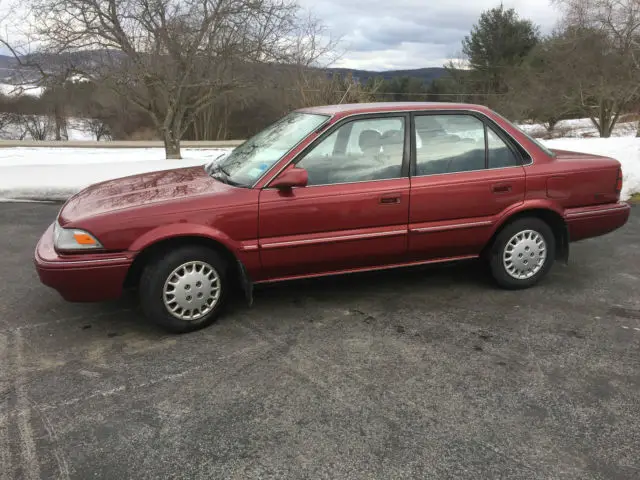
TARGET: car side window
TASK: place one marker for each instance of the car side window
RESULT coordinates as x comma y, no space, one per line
360,150
500,155
449,143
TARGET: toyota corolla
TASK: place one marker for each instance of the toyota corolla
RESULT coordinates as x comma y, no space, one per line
332,190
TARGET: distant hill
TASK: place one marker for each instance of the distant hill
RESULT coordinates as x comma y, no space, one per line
12,72
427,75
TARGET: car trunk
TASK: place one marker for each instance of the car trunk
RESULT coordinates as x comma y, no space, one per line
584,179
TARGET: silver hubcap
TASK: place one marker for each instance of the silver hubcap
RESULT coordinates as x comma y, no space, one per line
525,254
191,291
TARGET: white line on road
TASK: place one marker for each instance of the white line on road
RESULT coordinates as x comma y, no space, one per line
31,465
636,329
165,378
87,317
5,450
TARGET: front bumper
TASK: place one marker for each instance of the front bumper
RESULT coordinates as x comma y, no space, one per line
88,277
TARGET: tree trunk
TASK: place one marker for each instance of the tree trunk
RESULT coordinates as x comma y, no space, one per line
551,125
60,122
609,124
171,146
638,129
58,127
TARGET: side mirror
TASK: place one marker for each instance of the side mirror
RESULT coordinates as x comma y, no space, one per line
292,177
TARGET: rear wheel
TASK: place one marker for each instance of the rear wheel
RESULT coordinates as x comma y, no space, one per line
185,289
522,253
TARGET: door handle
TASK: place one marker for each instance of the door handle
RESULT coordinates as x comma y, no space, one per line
501,188
391,200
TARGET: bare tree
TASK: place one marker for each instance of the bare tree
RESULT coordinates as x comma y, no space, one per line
596,76
618,20
7,119
172,58
99,128
37,126
539,89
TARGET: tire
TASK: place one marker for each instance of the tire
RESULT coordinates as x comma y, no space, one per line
509,271
184,265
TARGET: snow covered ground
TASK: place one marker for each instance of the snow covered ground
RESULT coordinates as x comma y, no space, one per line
578,128
17,90
57,173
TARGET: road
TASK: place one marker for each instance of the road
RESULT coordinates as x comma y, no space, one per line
427,373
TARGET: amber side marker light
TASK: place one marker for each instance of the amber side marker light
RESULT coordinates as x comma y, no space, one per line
84,239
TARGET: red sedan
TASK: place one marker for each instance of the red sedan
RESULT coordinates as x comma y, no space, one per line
329,190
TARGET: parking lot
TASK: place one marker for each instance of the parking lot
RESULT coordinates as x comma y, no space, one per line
426,373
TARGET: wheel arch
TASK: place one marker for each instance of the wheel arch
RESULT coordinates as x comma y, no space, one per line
152,248
548,215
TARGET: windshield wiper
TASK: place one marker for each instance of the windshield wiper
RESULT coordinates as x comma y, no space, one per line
220,174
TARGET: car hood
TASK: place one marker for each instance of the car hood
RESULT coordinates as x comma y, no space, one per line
139,190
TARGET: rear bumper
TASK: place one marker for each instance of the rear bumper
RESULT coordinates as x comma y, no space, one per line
81,278
588,222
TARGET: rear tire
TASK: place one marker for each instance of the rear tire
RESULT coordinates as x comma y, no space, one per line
522,253
185,289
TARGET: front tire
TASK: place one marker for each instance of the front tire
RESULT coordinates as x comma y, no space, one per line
522,253
185,289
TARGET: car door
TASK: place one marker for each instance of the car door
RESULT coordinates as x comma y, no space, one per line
465,173
354,211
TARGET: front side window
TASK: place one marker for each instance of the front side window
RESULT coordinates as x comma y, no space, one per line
361,150
246,163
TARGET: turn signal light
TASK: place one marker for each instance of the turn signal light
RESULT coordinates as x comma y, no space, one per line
84,239
619,182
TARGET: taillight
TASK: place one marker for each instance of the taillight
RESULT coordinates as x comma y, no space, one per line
619,181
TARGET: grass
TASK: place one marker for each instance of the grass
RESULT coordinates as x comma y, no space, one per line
635,198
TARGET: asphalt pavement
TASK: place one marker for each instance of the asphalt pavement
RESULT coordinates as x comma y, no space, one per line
422,373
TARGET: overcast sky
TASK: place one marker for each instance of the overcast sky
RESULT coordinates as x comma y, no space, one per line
396,34
399,34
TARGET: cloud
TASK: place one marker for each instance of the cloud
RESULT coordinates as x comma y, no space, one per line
379,34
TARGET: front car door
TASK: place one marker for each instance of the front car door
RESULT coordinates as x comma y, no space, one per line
354,211
466,172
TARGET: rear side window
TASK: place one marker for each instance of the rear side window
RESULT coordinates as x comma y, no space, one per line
448,144
500,155
455,143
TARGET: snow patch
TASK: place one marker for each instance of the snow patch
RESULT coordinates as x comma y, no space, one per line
18,90
36,173
578,128
57,173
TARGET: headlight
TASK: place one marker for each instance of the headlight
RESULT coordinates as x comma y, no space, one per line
73,239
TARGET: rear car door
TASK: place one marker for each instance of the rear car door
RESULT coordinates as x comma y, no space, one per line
354,211
465,172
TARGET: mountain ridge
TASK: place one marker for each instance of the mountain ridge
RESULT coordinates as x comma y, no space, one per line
9,67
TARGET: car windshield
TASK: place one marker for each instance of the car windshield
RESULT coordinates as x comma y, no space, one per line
542,147
246,163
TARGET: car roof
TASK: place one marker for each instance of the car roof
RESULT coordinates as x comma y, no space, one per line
354,108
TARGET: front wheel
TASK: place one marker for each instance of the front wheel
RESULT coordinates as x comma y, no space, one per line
185,289
522,253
